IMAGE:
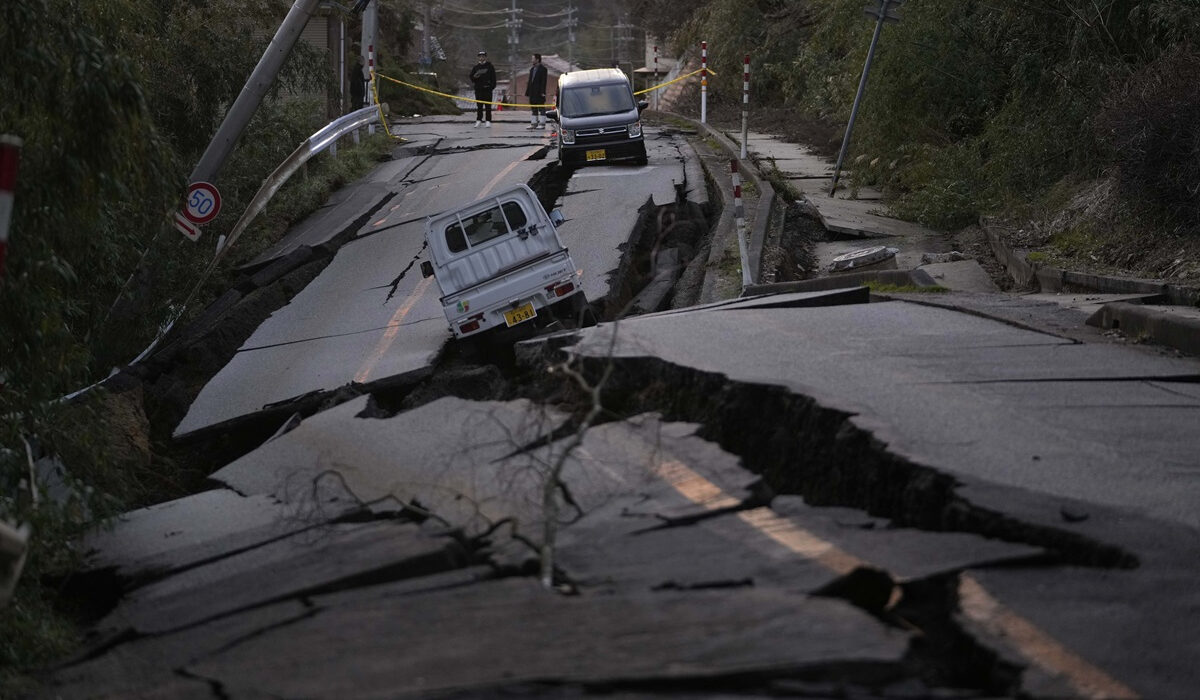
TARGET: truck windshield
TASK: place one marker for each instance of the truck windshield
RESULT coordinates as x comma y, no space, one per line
594,100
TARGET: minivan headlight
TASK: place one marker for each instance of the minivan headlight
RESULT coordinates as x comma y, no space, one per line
568,136
635,130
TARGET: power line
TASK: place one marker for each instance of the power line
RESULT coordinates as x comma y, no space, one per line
474,27
465,11
560,13
536,28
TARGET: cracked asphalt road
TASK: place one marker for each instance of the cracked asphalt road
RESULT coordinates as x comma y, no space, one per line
342,328
805,494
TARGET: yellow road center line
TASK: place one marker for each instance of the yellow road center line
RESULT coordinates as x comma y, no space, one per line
976,603
704,493
500,175
390,334
1037,646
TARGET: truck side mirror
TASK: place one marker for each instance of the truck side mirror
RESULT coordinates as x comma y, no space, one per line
642,104
557,218
426,269
552,115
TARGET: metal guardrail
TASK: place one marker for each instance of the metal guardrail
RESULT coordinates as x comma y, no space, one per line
323,139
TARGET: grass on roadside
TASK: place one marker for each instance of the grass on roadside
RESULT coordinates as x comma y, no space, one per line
41,625
309,189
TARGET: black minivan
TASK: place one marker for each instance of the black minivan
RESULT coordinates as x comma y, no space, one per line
599,119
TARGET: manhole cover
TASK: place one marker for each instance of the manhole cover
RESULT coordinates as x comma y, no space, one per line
863,257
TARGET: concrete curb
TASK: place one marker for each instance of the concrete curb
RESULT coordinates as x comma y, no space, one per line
1153,323
899,278
1135,320
766,196
717,243
766,200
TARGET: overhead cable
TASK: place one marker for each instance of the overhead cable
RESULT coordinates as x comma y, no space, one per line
464,11
479,28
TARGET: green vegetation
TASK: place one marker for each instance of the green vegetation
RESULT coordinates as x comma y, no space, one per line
405,101
115,100
992,108
880,288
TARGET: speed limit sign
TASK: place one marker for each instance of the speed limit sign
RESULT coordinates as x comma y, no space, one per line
203,202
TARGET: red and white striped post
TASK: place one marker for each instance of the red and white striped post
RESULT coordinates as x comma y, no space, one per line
704,82
739,216
745,102
10,158
656,77
371,83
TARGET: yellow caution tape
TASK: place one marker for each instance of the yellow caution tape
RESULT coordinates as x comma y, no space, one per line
660,86
522,104
379,105
457,97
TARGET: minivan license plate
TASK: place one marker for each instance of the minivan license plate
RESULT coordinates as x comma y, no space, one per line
596,155
520,314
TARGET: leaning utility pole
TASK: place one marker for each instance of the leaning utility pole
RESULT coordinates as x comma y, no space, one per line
252,94
883,13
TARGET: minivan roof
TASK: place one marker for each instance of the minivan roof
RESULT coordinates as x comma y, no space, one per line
594,75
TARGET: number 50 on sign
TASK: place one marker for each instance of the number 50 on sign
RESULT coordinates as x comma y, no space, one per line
203,203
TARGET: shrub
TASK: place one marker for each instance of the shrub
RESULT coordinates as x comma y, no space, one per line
1150,126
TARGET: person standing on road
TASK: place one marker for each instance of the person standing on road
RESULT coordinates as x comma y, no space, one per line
483,77
358,84
535,90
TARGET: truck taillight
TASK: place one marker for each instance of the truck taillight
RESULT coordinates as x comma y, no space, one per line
561,290
471,325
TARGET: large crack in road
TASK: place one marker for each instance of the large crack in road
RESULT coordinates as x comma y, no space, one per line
793,443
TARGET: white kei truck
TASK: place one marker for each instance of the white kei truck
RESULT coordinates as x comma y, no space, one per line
500,264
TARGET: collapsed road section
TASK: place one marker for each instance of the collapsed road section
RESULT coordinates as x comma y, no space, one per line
717,531
804,494
291,363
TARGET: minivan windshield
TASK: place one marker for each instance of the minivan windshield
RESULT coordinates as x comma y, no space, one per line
594,100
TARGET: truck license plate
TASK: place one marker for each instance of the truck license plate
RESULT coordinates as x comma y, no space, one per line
520,314
596,155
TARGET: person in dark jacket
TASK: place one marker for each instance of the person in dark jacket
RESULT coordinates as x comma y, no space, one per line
535,90
483,77
358,83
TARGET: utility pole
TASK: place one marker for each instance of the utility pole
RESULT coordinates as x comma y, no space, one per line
514,41
621,39
252,93
426,58
884,12
370,24
571,24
